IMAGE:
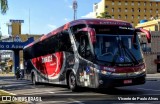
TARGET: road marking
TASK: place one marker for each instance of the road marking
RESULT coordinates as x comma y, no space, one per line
82,94
147,89
76,101
14,85
52,92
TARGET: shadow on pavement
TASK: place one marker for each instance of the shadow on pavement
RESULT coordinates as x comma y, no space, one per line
14,84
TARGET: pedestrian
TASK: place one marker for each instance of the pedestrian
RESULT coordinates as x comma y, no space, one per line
1,71
17,73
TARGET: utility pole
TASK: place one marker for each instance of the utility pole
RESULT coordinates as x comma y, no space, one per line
75,5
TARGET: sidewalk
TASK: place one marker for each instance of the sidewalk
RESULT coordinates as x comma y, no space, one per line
153,76
8,74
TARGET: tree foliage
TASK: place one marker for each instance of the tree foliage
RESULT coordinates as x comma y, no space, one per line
4,6
104,15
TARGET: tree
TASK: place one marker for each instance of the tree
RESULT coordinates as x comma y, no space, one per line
104,15
4,6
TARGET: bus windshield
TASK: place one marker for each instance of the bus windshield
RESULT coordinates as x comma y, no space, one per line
117,47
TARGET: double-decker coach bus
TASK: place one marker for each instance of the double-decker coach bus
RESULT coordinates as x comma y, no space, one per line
94,53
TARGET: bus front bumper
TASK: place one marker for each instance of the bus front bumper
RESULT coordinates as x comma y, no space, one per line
114,81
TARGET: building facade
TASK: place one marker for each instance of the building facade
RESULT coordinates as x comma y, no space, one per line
14,31
128,10
152,55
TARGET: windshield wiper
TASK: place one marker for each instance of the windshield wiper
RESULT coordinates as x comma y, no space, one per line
123,51
130,54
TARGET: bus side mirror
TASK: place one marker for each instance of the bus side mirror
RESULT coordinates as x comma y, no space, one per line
92,34
147,33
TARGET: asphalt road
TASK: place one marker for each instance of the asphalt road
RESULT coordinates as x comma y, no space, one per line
148,93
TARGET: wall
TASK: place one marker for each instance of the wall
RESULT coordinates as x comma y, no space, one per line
150,57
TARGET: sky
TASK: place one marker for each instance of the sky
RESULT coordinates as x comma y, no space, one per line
44,15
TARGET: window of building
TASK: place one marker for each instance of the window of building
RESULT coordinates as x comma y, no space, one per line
125,9
150,3
132,16
145,17
96,7
132,3
157,18
126,3
156,4
150,10
106,6
132,9
119,9
138,16
145,10
132,22
138,3
125,16
112,2
119,16
112,9
139,10
157,11
119,3
144,3
112,16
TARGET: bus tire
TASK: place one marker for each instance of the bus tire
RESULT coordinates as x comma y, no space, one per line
33,79
72,81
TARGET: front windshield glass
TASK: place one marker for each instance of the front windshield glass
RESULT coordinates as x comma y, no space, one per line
117,47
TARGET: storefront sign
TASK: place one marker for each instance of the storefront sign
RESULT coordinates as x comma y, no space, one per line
14,45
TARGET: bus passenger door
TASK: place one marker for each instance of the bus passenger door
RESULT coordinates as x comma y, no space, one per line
85,73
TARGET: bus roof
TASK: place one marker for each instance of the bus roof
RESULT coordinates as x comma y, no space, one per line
81,21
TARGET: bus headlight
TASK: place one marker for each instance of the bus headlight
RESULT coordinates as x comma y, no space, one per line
105,72
130,74
142,71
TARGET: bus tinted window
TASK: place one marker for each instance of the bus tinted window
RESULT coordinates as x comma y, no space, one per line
77,27
64,42
55,43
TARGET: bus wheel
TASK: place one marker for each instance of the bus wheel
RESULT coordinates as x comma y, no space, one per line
33,79
72,81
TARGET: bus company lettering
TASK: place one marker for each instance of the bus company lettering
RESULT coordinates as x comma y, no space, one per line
47,59
113,23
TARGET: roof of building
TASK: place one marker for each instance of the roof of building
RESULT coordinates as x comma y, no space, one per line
148,23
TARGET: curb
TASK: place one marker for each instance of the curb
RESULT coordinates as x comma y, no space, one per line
7,92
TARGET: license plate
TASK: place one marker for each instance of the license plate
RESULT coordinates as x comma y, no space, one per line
127,81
